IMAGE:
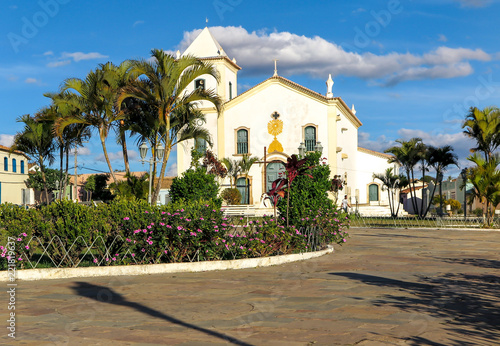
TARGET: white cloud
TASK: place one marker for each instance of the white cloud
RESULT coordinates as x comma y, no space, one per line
78,56
359,10
83,151
172,170
317,57
138,23
31,81
380,144
458,141
66,58
442,38
474,3
118,156
6,140
59,63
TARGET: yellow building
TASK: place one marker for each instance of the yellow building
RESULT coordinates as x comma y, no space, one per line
13,173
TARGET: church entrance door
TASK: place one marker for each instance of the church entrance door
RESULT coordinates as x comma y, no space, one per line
373,192
273,172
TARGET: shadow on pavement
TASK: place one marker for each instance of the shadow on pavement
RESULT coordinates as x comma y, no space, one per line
477,262
106,295
470,303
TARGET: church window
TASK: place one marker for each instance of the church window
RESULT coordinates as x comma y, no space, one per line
201,145
5,164
242,142
14,165
310,138
230,90
199,84
22,166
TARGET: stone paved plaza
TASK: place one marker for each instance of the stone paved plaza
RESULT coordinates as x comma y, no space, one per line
384,287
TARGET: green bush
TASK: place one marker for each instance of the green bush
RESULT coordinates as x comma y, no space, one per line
308,195
131,231
231,196
195,184
478,212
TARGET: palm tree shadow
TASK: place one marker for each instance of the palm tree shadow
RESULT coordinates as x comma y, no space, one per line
105,295
463,300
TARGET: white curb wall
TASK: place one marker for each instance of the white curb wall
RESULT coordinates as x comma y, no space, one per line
147,269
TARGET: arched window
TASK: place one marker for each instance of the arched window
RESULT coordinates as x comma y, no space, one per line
5,164
22,166
373,192
243,186
201,145
310,138
199,84
242,142
230,90
14,165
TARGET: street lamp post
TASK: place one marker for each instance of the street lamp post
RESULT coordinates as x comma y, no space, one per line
464,178
143,151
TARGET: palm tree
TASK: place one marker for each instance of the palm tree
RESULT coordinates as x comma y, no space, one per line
37,142
440,159
116,78
71,136
485,178
392,183
407,156
94,97
245,164
233,169
163,87
484,127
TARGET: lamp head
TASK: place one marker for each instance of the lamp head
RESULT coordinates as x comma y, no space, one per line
143,150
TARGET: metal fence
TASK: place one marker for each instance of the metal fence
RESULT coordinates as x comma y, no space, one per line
36,253
429,222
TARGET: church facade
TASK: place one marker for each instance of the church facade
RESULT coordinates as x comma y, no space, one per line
275,118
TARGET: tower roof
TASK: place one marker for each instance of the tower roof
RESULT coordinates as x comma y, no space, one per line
205,46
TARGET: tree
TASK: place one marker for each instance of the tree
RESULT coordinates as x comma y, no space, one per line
36,180
195,184
97,184
116,78
440,159
69,137
484,127
132,187
392,183
162,87
37,142
407,156
233,169
94,98
308,192
485,178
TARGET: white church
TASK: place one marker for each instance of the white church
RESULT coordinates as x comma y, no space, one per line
276,118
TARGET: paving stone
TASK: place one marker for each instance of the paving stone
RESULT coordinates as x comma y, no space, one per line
384,287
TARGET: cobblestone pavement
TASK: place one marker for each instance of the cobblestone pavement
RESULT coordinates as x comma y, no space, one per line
384,287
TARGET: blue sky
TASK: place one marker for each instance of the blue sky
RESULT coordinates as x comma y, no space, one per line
411,68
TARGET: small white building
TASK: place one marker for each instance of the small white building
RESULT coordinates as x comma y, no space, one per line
13,174
272,119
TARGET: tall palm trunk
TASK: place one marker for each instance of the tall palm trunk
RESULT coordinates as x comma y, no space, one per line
61,159
44,180
162,173
103,143
391,206
124,151
66,171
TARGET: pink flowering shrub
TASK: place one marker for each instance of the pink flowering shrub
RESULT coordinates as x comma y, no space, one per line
132,232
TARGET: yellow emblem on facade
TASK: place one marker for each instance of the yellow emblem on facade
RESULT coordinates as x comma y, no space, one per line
274,128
